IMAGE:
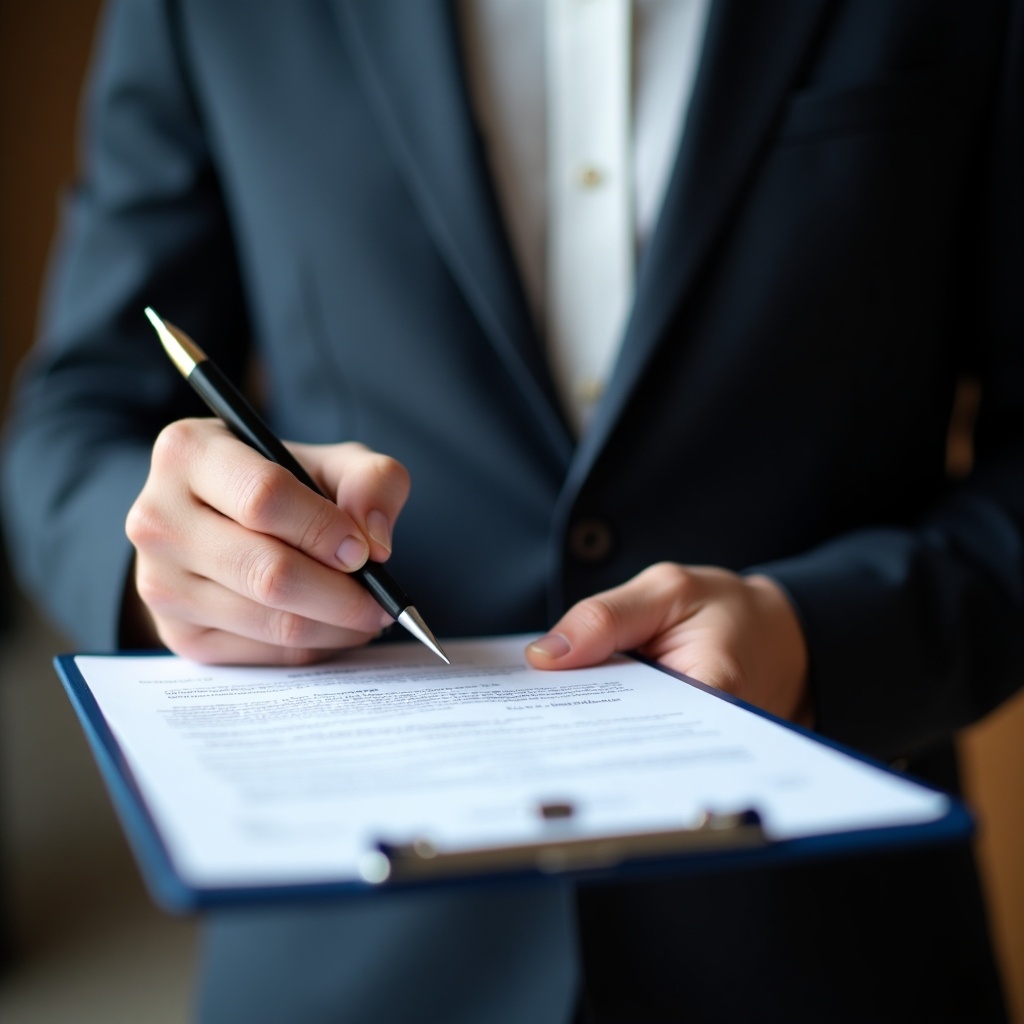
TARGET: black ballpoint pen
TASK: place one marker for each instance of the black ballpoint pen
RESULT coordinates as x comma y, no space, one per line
227,402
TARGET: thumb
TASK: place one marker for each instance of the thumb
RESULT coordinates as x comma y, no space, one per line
597,627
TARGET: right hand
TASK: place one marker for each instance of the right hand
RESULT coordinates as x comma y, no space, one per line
238,562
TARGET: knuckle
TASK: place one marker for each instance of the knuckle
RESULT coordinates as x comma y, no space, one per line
267,575
394,475
174,444
378,473
597,616
153,589
354,449
292,631
673,586
145,525
258,491
319,528
669,576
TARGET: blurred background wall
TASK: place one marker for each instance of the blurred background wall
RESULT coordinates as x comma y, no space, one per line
86,933
85,942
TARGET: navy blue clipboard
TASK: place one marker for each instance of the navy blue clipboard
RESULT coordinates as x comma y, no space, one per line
732,845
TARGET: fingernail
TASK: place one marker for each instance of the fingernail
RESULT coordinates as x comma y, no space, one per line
379,529
554,645
352,552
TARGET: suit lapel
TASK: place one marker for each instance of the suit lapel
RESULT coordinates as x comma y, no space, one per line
411,67
753,54
409,61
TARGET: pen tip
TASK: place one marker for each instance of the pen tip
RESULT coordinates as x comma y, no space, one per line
184,352
413,621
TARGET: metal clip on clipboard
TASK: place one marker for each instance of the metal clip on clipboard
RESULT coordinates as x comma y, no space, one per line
422,860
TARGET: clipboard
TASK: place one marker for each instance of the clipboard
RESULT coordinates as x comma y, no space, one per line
731,839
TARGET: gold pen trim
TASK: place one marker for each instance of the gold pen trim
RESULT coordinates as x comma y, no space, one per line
183,351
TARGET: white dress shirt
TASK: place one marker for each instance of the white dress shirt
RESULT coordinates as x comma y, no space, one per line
582,105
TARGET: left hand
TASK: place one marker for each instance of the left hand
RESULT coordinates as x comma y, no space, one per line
739,634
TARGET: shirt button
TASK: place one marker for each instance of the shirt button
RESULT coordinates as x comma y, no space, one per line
589,390
589,177
590,540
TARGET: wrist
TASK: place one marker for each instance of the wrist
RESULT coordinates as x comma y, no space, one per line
785,649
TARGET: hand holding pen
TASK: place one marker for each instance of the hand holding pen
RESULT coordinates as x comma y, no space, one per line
240,559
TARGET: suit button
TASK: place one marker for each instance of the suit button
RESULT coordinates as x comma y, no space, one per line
590,540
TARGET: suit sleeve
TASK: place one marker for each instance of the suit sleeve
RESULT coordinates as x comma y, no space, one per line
144,225
915,632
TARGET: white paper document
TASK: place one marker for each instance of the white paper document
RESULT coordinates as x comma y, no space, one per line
278,776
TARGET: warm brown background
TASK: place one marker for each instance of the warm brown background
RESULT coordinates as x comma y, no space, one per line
43,51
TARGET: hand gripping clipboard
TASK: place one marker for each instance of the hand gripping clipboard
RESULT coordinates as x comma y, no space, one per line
560,836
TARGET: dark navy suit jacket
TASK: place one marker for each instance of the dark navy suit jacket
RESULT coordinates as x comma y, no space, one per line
301,185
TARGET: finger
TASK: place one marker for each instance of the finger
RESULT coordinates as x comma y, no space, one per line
228,476
620,619
258,568
215,647
180,541
372,488
217,625
274,575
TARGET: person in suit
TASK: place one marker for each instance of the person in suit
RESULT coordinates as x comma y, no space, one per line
759,495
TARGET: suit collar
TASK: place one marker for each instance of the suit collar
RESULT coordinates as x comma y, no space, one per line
410,64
